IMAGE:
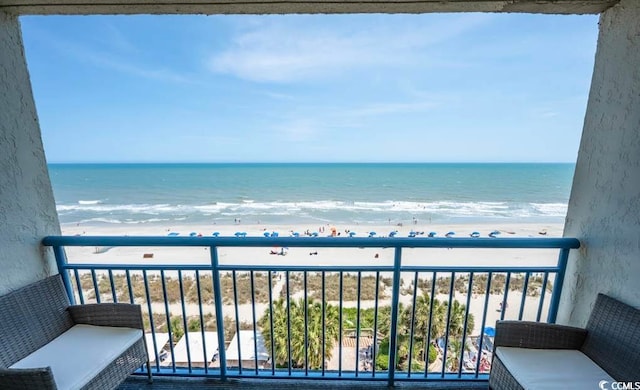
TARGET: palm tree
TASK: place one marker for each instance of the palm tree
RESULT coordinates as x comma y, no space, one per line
421,321
315,331
279,332
438,319
302,349
454,353
457,318
384,320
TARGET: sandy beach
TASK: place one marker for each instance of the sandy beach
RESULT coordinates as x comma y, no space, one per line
324,256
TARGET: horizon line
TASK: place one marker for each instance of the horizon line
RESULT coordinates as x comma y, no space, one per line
296,162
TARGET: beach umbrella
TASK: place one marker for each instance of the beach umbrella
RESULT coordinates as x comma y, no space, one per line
295,234
267,234
475,234
432,234
193,234
494,233
274,234
216,234
489,331
351,234
450,234
412,234
240,234
173,234
371,234
393,233
314,234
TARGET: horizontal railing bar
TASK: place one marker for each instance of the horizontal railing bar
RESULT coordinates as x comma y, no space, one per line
202,267
313,375
412,268
138,267
302,268
479,268
316,242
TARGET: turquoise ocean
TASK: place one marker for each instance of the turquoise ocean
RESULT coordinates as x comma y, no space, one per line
162,194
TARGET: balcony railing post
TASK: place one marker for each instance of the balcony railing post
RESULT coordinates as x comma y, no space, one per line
563,259
217,295
395,298
61,260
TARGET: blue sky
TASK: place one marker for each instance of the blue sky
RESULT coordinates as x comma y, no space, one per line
308,88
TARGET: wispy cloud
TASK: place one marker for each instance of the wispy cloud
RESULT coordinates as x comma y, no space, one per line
309,123
149,72
297,129
278,50
277,95
391,108
113,37
114,53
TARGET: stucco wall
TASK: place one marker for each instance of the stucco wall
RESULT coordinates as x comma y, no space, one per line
604,210
27,207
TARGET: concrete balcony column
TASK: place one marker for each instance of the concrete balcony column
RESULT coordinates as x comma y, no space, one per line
604,209
27,207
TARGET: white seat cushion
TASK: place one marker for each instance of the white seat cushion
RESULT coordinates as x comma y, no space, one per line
541,369
79,354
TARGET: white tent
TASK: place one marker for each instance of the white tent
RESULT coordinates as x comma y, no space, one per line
161,340
247,350
180,356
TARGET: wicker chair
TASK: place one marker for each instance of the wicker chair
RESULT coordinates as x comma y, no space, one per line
611,340
34,316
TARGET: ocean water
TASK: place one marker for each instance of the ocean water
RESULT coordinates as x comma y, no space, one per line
310,193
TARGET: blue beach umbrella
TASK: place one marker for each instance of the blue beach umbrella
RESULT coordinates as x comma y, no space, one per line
371,234
489,331
475,234
494,233
351,234
267,234
393,233
450,234
295,234
216,234
432,234
193,234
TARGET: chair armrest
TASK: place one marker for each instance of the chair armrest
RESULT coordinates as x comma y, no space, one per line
524,334
108,314
27,378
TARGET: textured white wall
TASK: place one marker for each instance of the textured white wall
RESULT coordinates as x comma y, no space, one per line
27,207
604,210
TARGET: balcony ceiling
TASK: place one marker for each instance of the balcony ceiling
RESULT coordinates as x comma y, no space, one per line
79,7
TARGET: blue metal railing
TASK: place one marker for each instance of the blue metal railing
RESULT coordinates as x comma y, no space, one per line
403,338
